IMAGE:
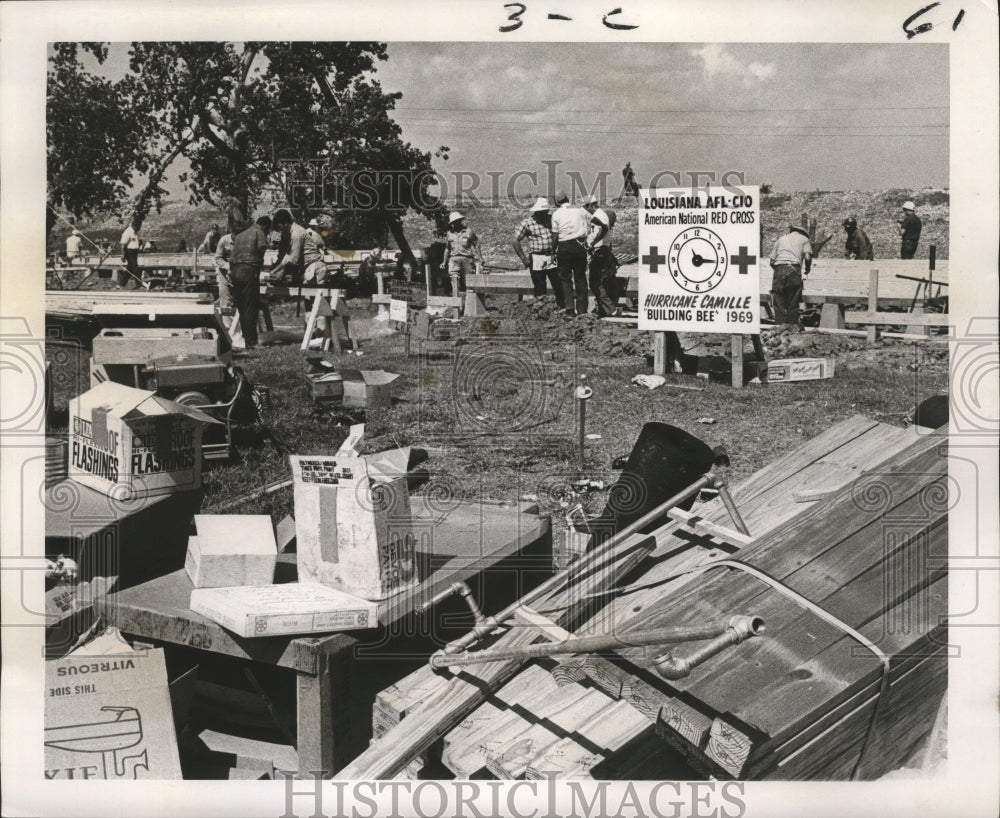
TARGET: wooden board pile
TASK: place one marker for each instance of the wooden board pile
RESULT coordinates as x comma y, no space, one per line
806,699
867,537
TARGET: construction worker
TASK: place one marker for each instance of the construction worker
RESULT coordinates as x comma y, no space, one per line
292,261
603,265
74,244
629,187
461,250
857,246
223,253
313,255
791,260
909,225
540,259
211,240
130,244
245,265
570,225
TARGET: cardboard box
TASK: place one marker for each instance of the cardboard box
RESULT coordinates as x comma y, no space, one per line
799,369
293,607
108,715
326,386
353,526
231,549
128,442
367,387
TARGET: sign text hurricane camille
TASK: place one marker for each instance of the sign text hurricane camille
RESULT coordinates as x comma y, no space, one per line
699,252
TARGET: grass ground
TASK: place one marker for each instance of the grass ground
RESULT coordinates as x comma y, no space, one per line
496,413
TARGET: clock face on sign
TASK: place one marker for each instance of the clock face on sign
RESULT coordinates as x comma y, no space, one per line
698,260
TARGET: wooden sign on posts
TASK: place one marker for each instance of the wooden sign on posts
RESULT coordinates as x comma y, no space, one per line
699,253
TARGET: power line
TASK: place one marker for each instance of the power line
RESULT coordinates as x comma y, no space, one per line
675,110
617,125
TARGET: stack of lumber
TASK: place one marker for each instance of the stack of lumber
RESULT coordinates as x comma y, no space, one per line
819,667
805,698
83,302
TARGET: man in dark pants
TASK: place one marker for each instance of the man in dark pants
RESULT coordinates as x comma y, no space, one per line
245,265
909,231
603,264
857,245
130,243
539,260
569,232
791,259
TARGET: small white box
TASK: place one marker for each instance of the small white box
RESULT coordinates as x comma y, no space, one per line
799,369
231,549
293,607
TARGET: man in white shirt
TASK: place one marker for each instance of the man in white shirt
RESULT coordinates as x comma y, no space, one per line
292,261
570,225
602,261
130,248
74,245
313,253
791,260
223,252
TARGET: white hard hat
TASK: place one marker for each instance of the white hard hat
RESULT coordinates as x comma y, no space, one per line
455,217
589,199
909,206
313,223
541,203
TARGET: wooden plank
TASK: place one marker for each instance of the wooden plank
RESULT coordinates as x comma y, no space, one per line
910,319
462,692
319,750
830,281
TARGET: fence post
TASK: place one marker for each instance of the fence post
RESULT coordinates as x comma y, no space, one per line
872,304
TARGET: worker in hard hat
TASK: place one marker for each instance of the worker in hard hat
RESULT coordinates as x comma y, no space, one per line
857,245
462,253
909,225
74,244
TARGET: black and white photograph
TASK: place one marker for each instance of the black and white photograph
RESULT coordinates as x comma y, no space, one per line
498,408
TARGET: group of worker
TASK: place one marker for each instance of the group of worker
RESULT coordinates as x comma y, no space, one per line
791,258
239,261
559,247
567,248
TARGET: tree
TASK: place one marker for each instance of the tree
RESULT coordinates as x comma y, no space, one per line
94,136
245,114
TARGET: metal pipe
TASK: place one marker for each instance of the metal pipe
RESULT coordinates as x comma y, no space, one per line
463,590
734,513
586,644
582,394
739,629
589,560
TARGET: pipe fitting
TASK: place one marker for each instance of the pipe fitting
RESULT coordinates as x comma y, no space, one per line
738,629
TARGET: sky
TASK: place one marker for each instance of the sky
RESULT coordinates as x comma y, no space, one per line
798,117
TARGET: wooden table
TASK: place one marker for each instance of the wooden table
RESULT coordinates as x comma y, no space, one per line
478,542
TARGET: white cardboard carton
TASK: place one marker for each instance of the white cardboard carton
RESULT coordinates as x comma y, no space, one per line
292,607
128,442
353,526
799,369
108,715
231,549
